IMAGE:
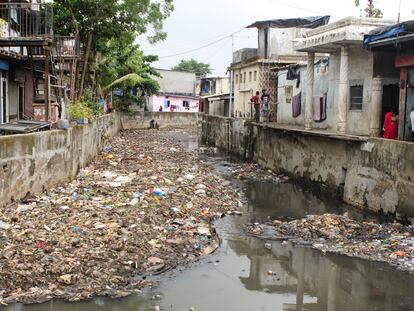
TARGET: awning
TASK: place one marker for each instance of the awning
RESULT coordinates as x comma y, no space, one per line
382,33
24,127
300,22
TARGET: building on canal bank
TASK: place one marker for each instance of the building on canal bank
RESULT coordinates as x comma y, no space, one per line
177,92
341,95
215,96
393,51
256,69
34,65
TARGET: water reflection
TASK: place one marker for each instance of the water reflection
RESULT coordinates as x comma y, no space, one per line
236,277
335,282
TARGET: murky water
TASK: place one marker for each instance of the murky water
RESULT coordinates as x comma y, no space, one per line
236,277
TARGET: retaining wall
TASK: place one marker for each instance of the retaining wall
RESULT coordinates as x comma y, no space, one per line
140,120
373,173
32,162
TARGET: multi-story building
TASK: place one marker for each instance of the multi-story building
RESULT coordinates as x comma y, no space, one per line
215,95
32,65
255,69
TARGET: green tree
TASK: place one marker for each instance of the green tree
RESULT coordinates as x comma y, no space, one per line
125,65
194,66
96,22
370,9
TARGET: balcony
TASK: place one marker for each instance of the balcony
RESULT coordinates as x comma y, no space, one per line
66,47
25,24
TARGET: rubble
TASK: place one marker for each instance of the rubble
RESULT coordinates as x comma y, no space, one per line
388,242
143,206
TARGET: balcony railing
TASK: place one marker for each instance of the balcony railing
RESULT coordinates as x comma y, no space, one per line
66,46
25,20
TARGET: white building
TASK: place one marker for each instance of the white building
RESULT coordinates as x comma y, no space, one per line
353,88
177,92
215,95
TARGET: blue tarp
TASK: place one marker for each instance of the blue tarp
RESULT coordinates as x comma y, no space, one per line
4,65
387,32
300,22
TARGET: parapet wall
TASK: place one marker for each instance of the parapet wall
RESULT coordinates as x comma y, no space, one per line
140,120
32,162
372,173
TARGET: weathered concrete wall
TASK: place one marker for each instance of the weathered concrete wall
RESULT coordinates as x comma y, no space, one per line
374,174
32,162
140,120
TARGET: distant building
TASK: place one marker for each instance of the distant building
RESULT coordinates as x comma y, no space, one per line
215,96
177,92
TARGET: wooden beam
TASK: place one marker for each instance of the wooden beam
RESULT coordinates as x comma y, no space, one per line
404,61
403,96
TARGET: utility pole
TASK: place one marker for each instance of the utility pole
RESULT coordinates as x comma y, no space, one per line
231,79
370,11
399,12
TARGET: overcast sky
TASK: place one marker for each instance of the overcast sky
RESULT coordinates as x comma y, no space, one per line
195,23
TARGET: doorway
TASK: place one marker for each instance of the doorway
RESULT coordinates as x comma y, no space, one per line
390,101
4,103
21,102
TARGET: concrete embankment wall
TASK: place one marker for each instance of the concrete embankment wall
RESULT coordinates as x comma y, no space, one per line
32,162
374,174
140,120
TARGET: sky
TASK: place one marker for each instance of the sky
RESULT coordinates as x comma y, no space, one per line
196,23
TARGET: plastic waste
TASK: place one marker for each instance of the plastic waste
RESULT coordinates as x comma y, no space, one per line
157,192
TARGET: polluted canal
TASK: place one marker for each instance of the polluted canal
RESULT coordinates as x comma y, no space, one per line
248,273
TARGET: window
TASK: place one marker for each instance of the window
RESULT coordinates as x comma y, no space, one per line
250,76
244,77
255,75
237,79
186,104
357,96
167,103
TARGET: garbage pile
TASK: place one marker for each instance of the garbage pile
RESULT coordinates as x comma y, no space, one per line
389,242
252,172
145,205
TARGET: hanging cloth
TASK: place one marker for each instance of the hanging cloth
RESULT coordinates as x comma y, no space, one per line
296,105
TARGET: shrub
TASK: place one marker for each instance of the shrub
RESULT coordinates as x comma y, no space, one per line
79,111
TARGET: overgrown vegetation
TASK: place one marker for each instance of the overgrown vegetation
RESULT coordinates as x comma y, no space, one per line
110,58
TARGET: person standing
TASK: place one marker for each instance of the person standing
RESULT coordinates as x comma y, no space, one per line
265,99
255,100
390,125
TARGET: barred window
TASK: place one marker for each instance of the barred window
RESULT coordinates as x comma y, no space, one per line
357,97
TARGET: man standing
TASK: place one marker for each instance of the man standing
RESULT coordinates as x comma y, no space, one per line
255,101
265,98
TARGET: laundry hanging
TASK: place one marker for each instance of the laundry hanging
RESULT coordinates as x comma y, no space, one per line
319,108
297,105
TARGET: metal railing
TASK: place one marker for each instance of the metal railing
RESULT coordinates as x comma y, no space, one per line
26,20
66,46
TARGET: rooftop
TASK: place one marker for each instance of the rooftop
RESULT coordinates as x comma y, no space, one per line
328,38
